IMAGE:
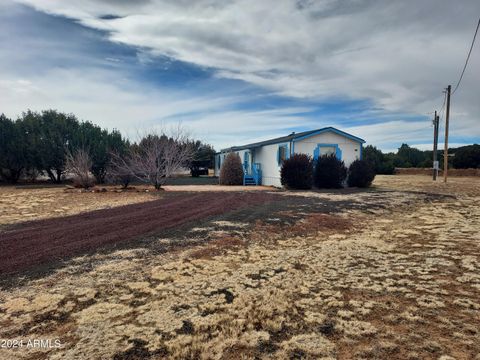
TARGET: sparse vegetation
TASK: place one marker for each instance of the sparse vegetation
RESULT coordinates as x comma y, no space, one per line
360,174
25,204
13,150
119,171
156,157
204,153
38,143
463,157
79,164
397,265
297,172
329,172
467,157
231,172
380,162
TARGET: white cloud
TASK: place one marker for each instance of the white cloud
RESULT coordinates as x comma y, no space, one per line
399,55
131,107
300,48
386,133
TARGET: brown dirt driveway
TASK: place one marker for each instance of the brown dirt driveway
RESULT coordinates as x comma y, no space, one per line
37,243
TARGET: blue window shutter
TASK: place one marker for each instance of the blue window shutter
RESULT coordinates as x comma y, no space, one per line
316,152
278,155
338,153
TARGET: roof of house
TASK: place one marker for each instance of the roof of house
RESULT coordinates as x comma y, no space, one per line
294,136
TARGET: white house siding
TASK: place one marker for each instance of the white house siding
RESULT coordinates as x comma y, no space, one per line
217,164
241,153
223,156
267,157
351,150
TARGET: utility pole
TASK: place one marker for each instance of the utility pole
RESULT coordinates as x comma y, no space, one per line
435,145
445,151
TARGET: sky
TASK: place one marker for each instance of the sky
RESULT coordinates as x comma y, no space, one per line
234,72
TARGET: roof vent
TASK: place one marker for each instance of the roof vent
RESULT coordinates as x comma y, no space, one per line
293,133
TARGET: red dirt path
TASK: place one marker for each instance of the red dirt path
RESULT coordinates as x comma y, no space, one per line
40,242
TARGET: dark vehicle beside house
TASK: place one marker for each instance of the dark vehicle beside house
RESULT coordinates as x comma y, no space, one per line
199,167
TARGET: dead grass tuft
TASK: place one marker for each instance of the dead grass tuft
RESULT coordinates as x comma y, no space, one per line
218,247
404,285
314,223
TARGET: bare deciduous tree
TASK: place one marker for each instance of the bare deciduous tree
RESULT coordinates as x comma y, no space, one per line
120,169
79,165
157,157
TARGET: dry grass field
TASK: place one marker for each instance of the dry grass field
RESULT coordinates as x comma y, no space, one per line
391,272
19,204
22,204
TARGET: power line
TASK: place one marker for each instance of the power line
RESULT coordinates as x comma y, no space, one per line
441,108
443,105
468,58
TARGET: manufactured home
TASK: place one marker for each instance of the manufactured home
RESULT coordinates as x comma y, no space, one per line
262,160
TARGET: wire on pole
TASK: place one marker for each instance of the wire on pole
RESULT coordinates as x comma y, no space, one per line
468,58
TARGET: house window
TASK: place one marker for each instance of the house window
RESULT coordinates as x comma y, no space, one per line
327,149
282,154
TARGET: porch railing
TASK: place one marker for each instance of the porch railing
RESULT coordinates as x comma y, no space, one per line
257,173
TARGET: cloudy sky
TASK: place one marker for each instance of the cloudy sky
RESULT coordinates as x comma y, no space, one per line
244,70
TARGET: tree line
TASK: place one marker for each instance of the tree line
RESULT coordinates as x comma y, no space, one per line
53,143
407,157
